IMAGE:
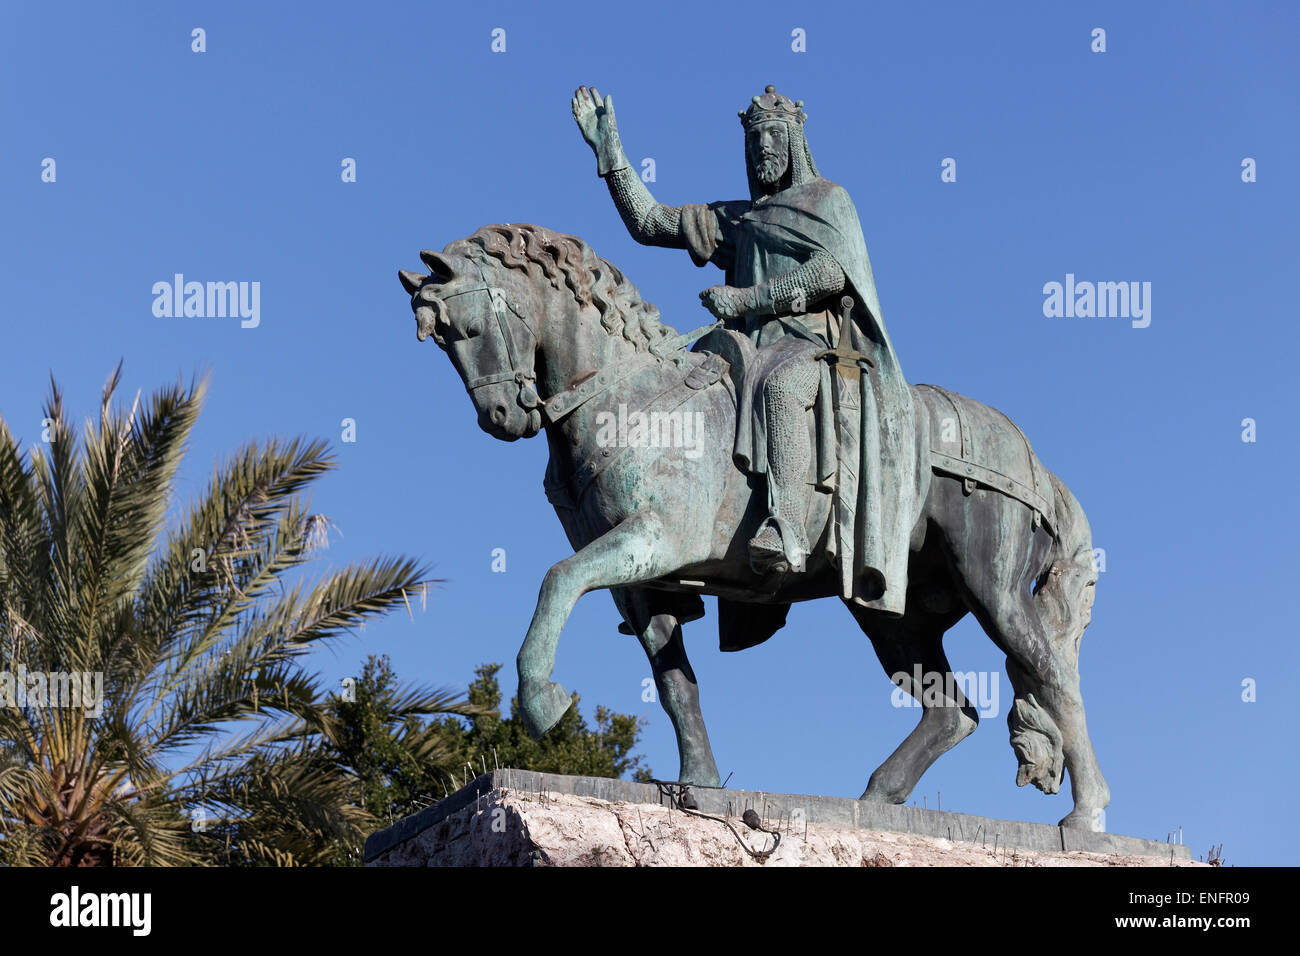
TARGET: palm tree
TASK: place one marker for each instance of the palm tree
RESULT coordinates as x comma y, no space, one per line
206,744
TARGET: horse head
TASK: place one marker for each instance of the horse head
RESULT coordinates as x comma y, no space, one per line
477,300
482,328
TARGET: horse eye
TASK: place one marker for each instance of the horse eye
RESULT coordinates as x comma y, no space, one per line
474,327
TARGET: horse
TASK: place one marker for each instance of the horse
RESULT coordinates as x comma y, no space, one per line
548,337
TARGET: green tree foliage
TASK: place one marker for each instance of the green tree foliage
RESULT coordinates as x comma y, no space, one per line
402,762
570,747
399,761
208,747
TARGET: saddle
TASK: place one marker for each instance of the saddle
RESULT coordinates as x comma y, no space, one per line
966,439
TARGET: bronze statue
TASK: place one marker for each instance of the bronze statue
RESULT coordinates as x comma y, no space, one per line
916,506
789,252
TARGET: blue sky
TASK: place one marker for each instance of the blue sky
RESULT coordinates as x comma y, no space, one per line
1117,166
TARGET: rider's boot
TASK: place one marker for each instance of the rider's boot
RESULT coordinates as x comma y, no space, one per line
781,545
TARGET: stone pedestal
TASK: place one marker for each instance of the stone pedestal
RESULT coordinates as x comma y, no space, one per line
521,818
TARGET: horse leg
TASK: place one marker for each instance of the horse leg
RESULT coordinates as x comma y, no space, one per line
1039,631
638,549
1047,718
903,645
660,634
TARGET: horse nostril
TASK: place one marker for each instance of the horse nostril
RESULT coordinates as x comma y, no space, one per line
498,415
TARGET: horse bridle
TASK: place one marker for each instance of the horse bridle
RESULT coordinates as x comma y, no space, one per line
586,387
527,399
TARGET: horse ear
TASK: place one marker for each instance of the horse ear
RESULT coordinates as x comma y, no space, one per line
438,264
411,281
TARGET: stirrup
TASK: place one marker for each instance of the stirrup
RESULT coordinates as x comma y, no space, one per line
764,559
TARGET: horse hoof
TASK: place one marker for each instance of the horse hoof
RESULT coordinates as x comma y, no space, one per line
884,787
700,778
1093,820
543,707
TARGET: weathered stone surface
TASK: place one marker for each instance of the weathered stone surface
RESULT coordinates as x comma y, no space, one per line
512,828
521,818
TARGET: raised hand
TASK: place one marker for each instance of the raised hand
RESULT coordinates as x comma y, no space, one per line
595,118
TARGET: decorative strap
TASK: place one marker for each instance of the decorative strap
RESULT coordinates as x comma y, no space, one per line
564,403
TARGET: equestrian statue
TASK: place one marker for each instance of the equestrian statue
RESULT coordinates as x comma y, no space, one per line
774,456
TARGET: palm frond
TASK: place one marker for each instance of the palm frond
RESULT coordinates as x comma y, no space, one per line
198,633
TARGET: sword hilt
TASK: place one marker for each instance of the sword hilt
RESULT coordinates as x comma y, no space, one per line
841,354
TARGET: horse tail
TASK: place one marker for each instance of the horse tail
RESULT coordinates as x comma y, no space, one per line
1063,597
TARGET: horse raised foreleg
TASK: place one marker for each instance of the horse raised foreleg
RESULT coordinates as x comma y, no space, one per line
636,550
660,634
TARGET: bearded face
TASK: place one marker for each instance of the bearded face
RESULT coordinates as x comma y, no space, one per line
768,145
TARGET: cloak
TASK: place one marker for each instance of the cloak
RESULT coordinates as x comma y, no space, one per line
866,441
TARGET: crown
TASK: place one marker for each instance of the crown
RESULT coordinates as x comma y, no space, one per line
772,106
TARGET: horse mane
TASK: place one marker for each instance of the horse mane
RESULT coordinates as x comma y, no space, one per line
568,262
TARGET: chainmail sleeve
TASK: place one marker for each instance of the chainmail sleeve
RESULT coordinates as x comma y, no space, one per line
817,278
649,222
